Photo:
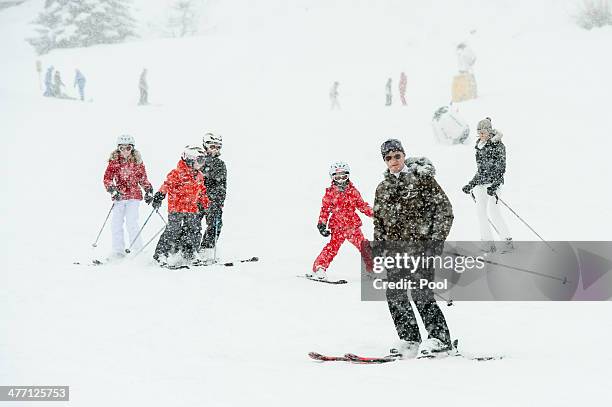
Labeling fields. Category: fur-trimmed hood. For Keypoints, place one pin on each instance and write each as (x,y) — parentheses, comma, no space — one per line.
(417,166)
(135,157)
(495,138)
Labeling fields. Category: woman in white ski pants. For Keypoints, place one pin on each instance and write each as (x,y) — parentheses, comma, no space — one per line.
(487,183)
(124,177)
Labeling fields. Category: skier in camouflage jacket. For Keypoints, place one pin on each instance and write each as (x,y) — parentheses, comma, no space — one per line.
(412,211)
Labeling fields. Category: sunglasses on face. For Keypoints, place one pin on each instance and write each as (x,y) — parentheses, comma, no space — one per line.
(393,157)
(125,147)
(213,146)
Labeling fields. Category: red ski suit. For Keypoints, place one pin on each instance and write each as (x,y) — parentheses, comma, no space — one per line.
(127,176)
(344,223)
(185,189)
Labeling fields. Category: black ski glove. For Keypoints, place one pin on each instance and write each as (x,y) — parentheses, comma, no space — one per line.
(323,230)
(115,194)
(491,190)
(148,198)
(467,189)
(157,199)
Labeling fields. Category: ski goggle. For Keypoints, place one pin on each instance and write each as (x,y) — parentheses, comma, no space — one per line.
(214,146)
(125,147)
(340,176)
(397,156)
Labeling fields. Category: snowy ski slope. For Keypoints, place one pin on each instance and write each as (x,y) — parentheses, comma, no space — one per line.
(133,334)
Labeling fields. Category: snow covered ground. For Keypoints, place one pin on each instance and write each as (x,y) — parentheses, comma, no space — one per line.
(132,334)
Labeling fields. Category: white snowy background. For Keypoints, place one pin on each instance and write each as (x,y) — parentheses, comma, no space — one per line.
(259,73)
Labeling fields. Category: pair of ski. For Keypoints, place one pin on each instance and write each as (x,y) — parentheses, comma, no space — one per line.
(96,262)
(205,264)
(350,357)
(312,278)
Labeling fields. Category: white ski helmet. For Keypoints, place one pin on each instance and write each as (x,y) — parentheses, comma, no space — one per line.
(339,167)
(126,139)
(192,153)
(212,138)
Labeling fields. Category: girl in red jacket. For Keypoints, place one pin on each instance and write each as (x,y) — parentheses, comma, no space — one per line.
(125,175)
(340,200)
(186,199)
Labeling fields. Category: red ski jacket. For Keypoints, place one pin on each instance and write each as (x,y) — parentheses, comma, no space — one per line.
(185,189)
(342,205)
(127,176)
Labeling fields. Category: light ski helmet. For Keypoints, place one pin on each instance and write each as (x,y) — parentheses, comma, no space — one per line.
(339,167)
(126,139)
(192,154)
(212,138)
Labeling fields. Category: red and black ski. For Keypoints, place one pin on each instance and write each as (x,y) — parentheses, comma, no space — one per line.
(311,278)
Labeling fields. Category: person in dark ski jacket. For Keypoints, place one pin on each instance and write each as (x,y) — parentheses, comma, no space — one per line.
(215,178)
(486,184)
(412,211)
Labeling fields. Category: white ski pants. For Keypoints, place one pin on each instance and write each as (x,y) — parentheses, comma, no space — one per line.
(487,208)
(125,211)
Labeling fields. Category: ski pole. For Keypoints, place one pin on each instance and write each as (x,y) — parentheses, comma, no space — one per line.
(216,237)
(149,242)
(140,231)
(525,223)
(95,244)
(162,218)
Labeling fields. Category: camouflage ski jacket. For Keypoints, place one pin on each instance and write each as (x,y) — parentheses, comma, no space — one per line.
(412,207)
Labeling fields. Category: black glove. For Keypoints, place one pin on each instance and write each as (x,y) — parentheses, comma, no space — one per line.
(115,194)
(434,248)
(491,190)
(157,199)
(323,230)
(467,189)
(148,198)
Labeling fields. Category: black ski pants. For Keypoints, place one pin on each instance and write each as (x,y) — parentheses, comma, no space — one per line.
(403,313)
(182,234)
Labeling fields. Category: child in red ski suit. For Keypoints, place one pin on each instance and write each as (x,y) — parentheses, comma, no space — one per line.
(341,200)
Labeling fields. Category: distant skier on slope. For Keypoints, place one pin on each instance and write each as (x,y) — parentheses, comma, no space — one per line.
(402,88)
(49,82)
(125,175)
(57,85)
(215,180)
(341,200)
(412,211)
(389,92)
(486,185)
(187,198)
(143,87)
(79,81)
(333,96)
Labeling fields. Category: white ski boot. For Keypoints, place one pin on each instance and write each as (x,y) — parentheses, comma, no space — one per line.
(405,349)
(508,246)
(320,273)
(434,348)
(206,256)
